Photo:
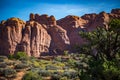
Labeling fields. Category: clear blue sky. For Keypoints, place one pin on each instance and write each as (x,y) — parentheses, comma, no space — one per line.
(58,8)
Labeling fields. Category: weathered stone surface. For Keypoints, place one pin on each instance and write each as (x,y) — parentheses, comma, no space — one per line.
(60,40)
(44,34)
(35,39)
(116,11)
(45,19)
(88,22)
(73,24)
(31,38)
(32,17)
(11,35)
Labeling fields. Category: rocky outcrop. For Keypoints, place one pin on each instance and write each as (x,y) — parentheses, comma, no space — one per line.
(35,39)
(73,24)
(45,19)
(60,40)
(11,35)
(44,34)
(88,22)
(115,11)
(96,20)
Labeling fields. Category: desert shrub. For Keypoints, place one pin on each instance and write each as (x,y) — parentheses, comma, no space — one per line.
(111,70)
(111,75)
(65,68)
(20,55)
(3,65)
(71,62)
(8,72)
(3,58)
(35,69)
(21,66)
(35,64)
(63,78)
(1,71)
(31,76)
(73,75)
(3,78)
(24,58)
(10,56)
(81,65)
(58,59)
(55,77)
(44,73)
(9,63)
(69,74)
(101,70)
(66,53)
(50,67)
(25,62)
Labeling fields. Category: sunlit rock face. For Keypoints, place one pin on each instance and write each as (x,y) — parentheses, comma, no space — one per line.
(44,35)
(88,22)
(10,35)
(35,39)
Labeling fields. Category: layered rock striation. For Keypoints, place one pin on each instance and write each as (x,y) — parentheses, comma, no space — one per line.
(44,35)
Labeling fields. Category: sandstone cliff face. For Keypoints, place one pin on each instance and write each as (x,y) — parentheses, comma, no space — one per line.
(96,20)
(35,39)
(73,24)
(60,40)
(88,22)
(44,34)
(11,35)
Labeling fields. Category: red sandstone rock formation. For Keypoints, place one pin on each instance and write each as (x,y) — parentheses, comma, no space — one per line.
(35,39)
(43,34)
(11,35)
(59,37)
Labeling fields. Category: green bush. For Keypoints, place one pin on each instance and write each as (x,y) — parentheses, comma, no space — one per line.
(101,70)
(35,69)
(44,73)
(3,78)
(50,67)
(66,53)
(55,77)
(31,76)
(20,55)
(11,56)
(63,78)
(58,59)
(71,62)
(111,75)
(3,65)
(8,72)
(9,63)
(21,66)
(69,74)
(1,71)
(3,58)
